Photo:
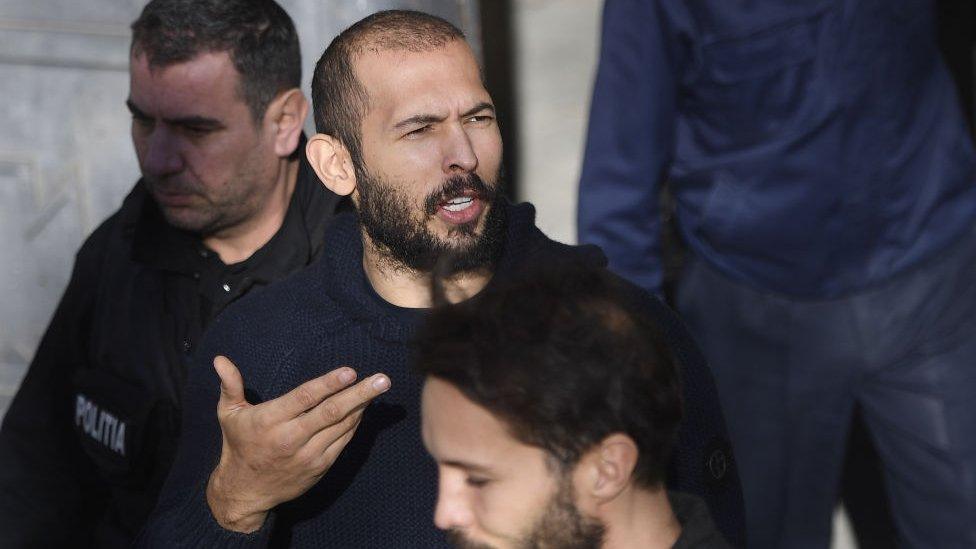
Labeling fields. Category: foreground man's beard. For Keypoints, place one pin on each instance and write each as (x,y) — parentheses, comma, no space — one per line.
(388,218)
(561,526)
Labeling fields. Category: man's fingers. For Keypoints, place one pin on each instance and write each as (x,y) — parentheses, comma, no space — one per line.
(333,410)
(328,444)
(231,384)
(308,395)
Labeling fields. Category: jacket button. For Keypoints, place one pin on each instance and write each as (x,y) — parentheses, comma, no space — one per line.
(226,287)
(718,464)
(187,346)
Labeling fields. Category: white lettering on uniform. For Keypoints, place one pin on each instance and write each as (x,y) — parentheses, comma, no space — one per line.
(100,425)
(90,414)
(79,409)
(119,444)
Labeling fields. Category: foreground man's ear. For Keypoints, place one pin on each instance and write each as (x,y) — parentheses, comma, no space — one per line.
(605,471)
(286,116)
(331,161)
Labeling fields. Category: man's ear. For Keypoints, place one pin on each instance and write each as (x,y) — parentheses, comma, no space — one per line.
(285,117)
(332,163)
(606,470)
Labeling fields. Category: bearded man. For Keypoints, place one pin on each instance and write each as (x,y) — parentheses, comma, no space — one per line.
(407,129)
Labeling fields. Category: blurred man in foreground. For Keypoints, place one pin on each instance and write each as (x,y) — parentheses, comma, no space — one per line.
(227,203)
(551,404)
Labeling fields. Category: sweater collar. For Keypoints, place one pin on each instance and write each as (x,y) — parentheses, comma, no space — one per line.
(351,289)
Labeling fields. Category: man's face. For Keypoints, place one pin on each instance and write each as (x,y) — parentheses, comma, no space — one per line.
(204,160)
(432,155)
(494,491)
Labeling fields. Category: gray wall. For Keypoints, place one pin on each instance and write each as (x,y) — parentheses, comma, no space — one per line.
(66,160)
(555,65)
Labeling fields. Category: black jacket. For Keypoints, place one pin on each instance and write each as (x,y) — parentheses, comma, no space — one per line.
(381,490)
(697,529)
(91,434)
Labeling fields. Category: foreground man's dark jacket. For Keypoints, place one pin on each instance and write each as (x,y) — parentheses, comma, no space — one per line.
(381,491)
(90,436)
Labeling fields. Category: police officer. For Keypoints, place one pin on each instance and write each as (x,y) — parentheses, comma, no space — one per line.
(227,203)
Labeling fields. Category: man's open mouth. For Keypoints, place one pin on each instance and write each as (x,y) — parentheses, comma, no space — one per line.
(458,204)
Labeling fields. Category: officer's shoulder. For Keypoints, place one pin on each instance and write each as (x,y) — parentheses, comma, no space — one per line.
(115,230)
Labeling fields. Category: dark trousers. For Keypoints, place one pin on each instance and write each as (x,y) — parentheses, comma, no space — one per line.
(790,372)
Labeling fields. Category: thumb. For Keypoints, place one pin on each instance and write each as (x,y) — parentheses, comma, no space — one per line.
(231,384)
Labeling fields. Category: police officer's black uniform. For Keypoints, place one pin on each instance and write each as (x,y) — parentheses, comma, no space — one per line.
(90,436)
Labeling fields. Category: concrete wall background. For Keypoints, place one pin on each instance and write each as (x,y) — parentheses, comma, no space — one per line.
(66,161)
(65,156)
(557,47)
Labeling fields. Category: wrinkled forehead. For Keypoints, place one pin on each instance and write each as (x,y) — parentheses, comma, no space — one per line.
(387,50)
(398,81)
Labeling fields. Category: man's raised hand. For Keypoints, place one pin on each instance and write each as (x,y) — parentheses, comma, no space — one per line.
(274,451)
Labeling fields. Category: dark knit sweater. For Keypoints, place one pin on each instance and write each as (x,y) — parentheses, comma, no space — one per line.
(382,489)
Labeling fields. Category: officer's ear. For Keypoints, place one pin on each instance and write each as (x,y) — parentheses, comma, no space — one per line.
(332,163)
(285,117)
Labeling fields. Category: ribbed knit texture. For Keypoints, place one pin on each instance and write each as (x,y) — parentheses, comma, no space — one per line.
(382,489)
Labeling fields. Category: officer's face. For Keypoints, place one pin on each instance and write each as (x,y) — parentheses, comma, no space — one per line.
(495,491)
(432,153)
(205,161)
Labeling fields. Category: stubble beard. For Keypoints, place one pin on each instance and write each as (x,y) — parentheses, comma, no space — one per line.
(205,216)
(561,526)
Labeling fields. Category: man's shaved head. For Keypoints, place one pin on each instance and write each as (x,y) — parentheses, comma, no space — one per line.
(338,97)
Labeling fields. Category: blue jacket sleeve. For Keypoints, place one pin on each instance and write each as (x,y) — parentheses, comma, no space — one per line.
(629,140)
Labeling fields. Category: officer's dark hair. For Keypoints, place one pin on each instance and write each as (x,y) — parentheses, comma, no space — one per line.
(565,356)
(339,100)
(258,34)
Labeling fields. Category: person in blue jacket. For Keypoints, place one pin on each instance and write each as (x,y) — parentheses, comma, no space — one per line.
(825,187)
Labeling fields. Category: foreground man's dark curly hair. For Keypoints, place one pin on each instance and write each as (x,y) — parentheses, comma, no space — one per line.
(565,356)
